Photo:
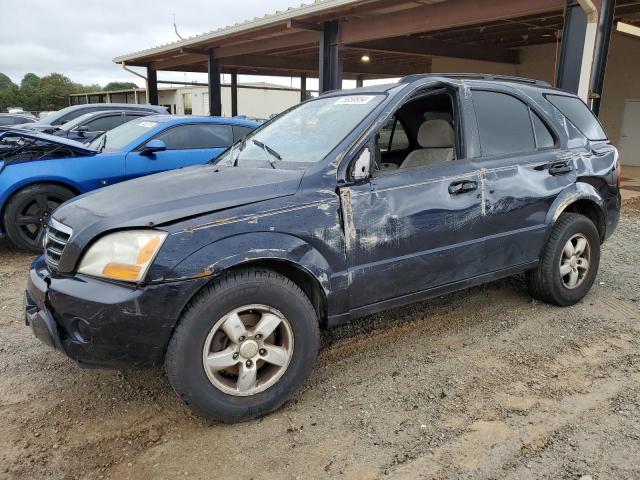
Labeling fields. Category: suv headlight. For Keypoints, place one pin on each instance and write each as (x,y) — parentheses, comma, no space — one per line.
(124,255)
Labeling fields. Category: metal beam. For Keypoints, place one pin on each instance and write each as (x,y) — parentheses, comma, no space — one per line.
(280,65)
(300,25)
(234,94)
(571,52)
(605,27)
(417,46)
(152,83)
(439,16)
(215,90)
(330,59)
(303,87)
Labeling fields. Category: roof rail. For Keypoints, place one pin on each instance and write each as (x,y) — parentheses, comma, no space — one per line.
(477,76)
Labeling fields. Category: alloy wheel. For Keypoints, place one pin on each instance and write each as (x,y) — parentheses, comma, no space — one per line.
(248,350)
(574,261)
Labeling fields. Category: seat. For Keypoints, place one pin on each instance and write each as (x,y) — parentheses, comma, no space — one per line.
(436,139)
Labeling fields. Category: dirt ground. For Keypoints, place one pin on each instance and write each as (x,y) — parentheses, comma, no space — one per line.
(484,383)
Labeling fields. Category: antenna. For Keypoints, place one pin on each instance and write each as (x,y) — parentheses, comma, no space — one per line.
(175,27)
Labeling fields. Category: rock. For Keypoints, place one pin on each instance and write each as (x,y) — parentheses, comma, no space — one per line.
(154,435)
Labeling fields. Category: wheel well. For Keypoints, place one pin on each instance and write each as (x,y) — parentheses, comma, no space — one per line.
(301,277)
(590,210)
(44,182)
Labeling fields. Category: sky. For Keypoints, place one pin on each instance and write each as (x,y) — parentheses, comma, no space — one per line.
(80,39)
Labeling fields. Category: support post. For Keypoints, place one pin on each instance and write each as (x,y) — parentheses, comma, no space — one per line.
(152,89)
(303,87)
(575,23)
(234,94)
(215,89)
(330,66)
(605,27)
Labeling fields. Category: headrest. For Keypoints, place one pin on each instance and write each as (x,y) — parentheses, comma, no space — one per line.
(436,134)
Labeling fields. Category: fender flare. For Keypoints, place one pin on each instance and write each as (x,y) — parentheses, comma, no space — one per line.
(570,195)
(238,250)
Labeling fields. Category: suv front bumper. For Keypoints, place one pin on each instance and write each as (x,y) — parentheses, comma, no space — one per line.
(104,324)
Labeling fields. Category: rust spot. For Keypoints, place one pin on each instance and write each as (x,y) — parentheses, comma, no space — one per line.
(208,271)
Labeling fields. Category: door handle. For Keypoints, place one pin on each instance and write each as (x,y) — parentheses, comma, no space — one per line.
(560,168)
(464,186)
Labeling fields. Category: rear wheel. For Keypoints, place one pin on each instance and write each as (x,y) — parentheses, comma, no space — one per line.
(244,345)
(569,262)
(28,211)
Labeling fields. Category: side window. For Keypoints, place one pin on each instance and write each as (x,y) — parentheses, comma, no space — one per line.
(197,136)
(240,132)
(544,138)
(503,122)
(579,114)
(103,124)
(393,136)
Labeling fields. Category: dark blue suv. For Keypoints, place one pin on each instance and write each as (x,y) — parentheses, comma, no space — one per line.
(346,205)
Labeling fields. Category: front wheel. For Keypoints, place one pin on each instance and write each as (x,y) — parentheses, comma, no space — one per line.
(569,262)
(28,211)
(243,346)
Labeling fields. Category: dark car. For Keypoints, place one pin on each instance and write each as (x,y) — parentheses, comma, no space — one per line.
(227,272)
(11,119)
(89,125)
(54,120)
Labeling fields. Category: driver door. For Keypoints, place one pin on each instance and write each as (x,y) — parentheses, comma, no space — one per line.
(192,144)
(412,229)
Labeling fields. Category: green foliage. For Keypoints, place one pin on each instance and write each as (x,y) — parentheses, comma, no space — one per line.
(111,86)
(50,92)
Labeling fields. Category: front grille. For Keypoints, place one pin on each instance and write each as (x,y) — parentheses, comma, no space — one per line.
(56,239)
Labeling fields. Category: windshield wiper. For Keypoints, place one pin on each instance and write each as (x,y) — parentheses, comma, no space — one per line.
(103,143)
(268,149)
(241,145)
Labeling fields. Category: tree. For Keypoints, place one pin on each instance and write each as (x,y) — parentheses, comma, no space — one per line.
(55,89)
(29,96)
(8,92)
(119,86)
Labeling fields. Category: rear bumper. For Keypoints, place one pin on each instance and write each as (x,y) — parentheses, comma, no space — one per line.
(98,323)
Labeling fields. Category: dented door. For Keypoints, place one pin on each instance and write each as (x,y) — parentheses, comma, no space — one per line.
(412,229)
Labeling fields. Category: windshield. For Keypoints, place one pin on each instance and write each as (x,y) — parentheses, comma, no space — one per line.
(304,135)
(118,138)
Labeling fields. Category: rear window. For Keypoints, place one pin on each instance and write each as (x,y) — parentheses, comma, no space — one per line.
(579,114)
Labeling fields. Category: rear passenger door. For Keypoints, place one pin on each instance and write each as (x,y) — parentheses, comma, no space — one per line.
(187,145)
(522,170)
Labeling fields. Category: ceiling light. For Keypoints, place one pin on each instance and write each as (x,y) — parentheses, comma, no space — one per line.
(365,58)
(628,29)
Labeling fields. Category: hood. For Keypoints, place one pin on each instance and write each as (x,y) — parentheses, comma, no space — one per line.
(45,141)
(170,196)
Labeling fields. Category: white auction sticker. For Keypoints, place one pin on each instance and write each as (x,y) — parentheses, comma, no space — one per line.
(354,99)
(147,124)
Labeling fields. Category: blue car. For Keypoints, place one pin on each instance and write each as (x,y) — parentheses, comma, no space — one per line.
(38,171)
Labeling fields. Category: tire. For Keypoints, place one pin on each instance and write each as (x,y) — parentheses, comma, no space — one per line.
(29,209)
(202,389)
(546,282)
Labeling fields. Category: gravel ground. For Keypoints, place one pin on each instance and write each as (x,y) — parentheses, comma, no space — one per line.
(484,383)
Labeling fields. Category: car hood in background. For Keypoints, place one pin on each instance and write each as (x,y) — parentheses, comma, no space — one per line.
(168,197)
(46,138)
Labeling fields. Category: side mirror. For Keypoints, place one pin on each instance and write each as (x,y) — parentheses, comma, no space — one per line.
(82,129)
(362,165)
(152,147)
